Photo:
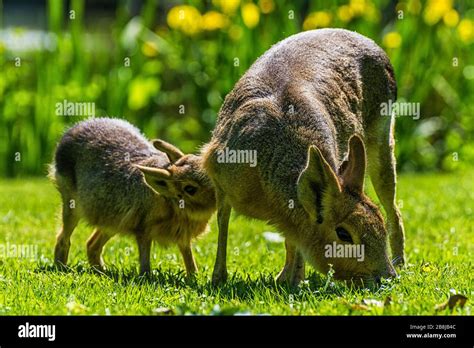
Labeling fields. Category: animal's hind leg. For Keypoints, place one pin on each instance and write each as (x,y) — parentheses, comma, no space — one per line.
(383,173)
(95,245)
(188,257)
(63,239)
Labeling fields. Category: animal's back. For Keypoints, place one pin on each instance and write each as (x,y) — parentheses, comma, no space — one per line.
(95,157)
(336,66)
(314,88)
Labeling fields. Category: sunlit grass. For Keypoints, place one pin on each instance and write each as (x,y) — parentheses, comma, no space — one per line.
(440,240)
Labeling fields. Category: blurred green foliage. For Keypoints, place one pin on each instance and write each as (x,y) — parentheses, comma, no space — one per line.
(168,70)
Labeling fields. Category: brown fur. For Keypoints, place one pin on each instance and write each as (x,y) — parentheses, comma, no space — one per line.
(100,169)
(298,106)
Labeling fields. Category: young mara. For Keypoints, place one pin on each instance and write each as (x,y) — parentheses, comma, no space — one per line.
(112,177)
(310,110)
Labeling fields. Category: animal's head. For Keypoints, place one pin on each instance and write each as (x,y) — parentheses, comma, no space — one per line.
(345,228)
(183,180)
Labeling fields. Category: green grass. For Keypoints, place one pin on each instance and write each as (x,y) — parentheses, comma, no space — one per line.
(438,218)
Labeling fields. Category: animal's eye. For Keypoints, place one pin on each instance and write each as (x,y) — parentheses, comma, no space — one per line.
(190,190)
(343,235)
(161,183)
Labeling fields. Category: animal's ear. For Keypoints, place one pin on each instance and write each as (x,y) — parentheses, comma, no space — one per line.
(318,177)
(158,179)
(171,151)
(353,169)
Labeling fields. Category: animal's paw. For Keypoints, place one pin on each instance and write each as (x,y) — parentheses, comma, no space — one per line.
(284,276)
(61,267)
(291,278)
(219,277)
(99,268)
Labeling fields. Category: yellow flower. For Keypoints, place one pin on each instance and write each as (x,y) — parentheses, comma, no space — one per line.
(414,6)
(358,7)
(185,18)
(319,19)
(266,6)
(451,18)
(466,30)
(250,15)
(392,40)
(371,13)
(227,6)
(435,10)
(74,307)
(235,32)
(344,13)
(150,49)
(140,92)
(214,20)
(427,268)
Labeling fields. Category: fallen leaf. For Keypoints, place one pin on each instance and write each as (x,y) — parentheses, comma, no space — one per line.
(359,307)
(452,302)
(374,303)
(163,311)
(273,237)
(76,308)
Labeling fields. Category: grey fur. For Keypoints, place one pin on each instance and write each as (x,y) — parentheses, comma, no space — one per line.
(95,170)
(317,88)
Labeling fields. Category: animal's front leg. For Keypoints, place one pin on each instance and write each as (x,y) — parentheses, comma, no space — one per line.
(144,249)
(293,271)
(223,214)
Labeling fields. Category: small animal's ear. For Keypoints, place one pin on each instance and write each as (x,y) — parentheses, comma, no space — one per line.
(171,151)
(318,177)
(353,170)
(158,179)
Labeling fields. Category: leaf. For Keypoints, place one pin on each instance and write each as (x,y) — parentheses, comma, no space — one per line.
(373,303)
(359,307)
(75,308)
(163,311)
(452,302)
(273,237)
(369,304)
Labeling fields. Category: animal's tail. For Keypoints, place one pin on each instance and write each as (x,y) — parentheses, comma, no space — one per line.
(64,164)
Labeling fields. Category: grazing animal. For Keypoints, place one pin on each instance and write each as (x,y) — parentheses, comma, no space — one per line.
(110,175)
(310,109)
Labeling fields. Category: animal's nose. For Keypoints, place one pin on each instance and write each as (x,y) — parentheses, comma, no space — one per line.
(389,273)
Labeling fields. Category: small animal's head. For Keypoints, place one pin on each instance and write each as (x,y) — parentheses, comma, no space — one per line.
(345,229)
(183,180)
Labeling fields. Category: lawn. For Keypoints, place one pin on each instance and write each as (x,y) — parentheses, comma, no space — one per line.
(438,213)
